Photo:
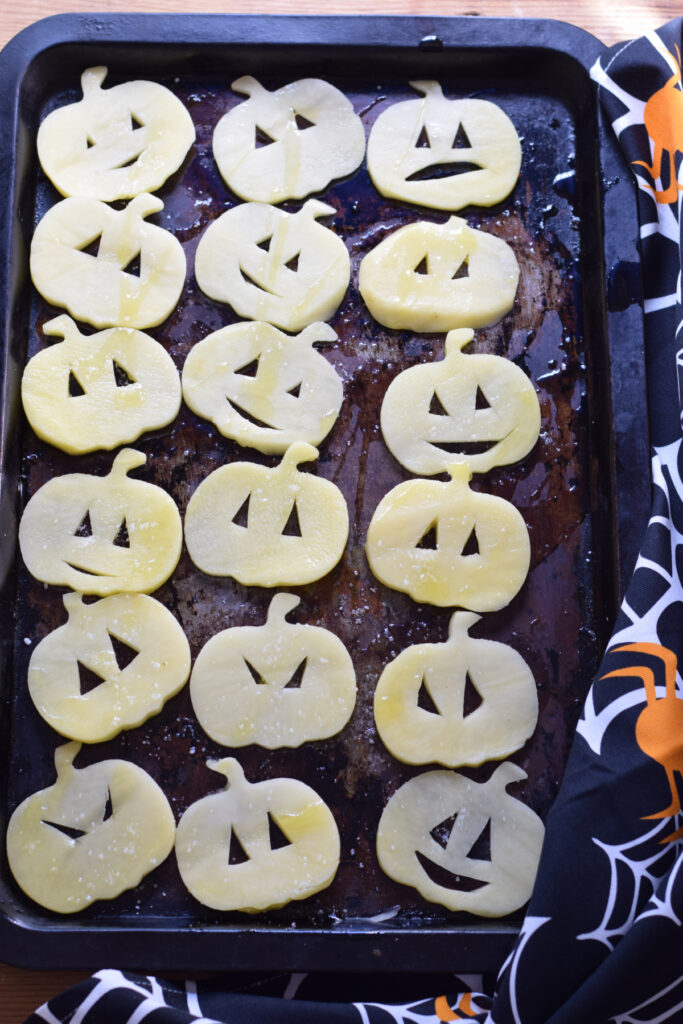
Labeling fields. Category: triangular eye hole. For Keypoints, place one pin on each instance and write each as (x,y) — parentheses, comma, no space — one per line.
(249,369)
(472,699)
(422,267)
(84,528)
(75,387)
(236,852)
(297,676)
(89,143)
(265,243)
(302,122)
(66,830)
(255,674)
(436,407)
(425,700)
(480,400)
(88,679)
(462,271)
(122,377)
(262,138)
(296,390)
(122,540)
(108,808)
(123,653)
(429,540)
(135,123)
(292,527)
(91,248)
(471,544)
(441,833)
(277,837)
(481,847)
(241,516)
(133,267)
(461,140)
(293,264)
(423,139)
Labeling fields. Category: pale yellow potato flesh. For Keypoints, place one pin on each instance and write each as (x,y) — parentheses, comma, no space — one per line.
(508,424)
(297,160)
(411,138)
(432,799)
(128,695)
(235,710)
(66,872)
(102,535)
(260,553)
(412,279)
(115,143)
(295,394)
(501,724)
(267,878)
(97,289)
(243,256)
(104,415)
(483,581)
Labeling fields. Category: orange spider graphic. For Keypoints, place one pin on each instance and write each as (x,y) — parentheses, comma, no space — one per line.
(659,728)
(663,119)
(445,1013)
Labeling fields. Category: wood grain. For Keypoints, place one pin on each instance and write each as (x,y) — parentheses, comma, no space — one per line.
(21,991)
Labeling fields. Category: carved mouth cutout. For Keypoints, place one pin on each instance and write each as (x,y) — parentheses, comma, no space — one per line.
(465,447)
(432,172)
(256,284)
(255,422)
(447,879)
(89,572)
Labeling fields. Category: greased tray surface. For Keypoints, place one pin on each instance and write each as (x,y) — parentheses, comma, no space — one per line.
(569,489)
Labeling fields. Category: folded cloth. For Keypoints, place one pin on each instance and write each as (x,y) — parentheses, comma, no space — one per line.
(603,936)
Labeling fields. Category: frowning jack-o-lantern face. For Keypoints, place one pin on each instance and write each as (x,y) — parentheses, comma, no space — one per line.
(444,153)
(466,845)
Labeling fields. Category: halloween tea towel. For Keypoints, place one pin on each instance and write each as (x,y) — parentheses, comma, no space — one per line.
(602,940)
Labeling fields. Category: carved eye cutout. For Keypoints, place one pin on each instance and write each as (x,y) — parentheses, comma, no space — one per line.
(112,665)
(481,409)
(115,143)
(481,572)
(299,278)
(255,846)
(92,284)
(466,845)
(94,833)
(461,702)
(288,143)
(278,685)
(444,153)
(436,277)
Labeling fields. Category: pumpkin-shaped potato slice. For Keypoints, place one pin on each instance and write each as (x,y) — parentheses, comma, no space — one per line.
(108,268)
(98,391)
(256,846)
(278,685)
(288,143)
(115,143)
(94,833)
(466,845)
(462,702)
(444,153)
(102,535)
(110,667)
(445,544)
(276,266)
(479,409)
(436,277)
(267,527)
(262,388)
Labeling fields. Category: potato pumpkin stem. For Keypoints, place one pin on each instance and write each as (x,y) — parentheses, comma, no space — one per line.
(281,605)
(92,79)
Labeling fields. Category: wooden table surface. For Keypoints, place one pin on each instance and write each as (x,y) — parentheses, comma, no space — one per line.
(21,991)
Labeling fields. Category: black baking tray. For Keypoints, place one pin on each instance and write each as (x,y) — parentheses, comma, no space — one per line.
(576,328)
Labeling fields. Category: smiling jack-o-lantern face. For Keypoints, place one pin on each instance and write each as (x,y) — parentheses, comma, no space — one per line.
(467,845)
(256,846)
(263,388)
(445,544)
(110,667)
(98,391)
(288,143)
(115,143)
(267,527)
(109,268)
(444,153)
(436,277)
(462,702)
(102,535)
(276,266)
(94,833)
(278,685)
(481,409)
